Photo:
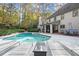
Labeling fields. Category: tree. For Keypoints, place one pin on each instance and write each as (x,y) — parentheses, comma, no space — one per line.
(30,14)
(9,15)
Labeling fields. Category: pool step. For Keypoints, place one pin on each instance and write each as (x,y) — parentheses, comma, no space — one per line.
(57,49)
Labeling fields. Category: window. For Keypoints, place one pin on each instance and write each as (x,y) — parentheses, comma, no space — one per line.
(62,26)
(62,16)
(75,13)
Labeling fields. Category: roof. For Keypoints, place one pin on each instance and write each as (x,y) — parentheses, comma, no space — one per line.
(64,9)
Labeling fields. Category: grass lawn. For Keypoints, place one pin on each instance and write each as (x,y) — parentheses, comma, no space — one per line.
(9,31)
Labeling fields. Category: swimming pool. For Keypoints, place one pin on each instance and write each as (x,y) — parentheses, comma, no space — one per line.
(28,37)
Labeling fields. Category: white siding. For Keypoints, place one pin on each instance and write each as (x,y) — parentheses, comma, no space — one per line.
(52,19)
(69,21)
(47,21)
(58,18)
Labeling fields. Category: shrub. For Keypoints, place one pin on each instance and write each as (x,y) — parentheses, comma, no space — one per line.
(10,31)
(33,30)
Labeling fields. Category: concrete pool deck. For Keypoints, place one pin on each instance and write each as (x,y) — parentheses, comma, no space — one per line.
(65,45)
(58,45)
(25,49)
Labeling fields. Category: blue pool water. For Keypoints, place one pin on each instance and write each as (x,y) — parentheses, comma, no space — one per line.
(28,37)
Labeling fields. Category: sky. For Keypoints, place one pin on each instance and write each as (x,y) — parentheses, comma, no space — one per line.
(50,7)
(17,5)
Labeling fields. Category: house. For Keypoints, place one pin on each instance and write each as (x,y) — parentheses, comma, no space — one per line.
(66,17)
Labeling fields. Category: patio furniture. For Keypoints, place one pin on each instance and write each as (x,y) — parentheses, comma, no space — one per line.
(71,31)
(40,49)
